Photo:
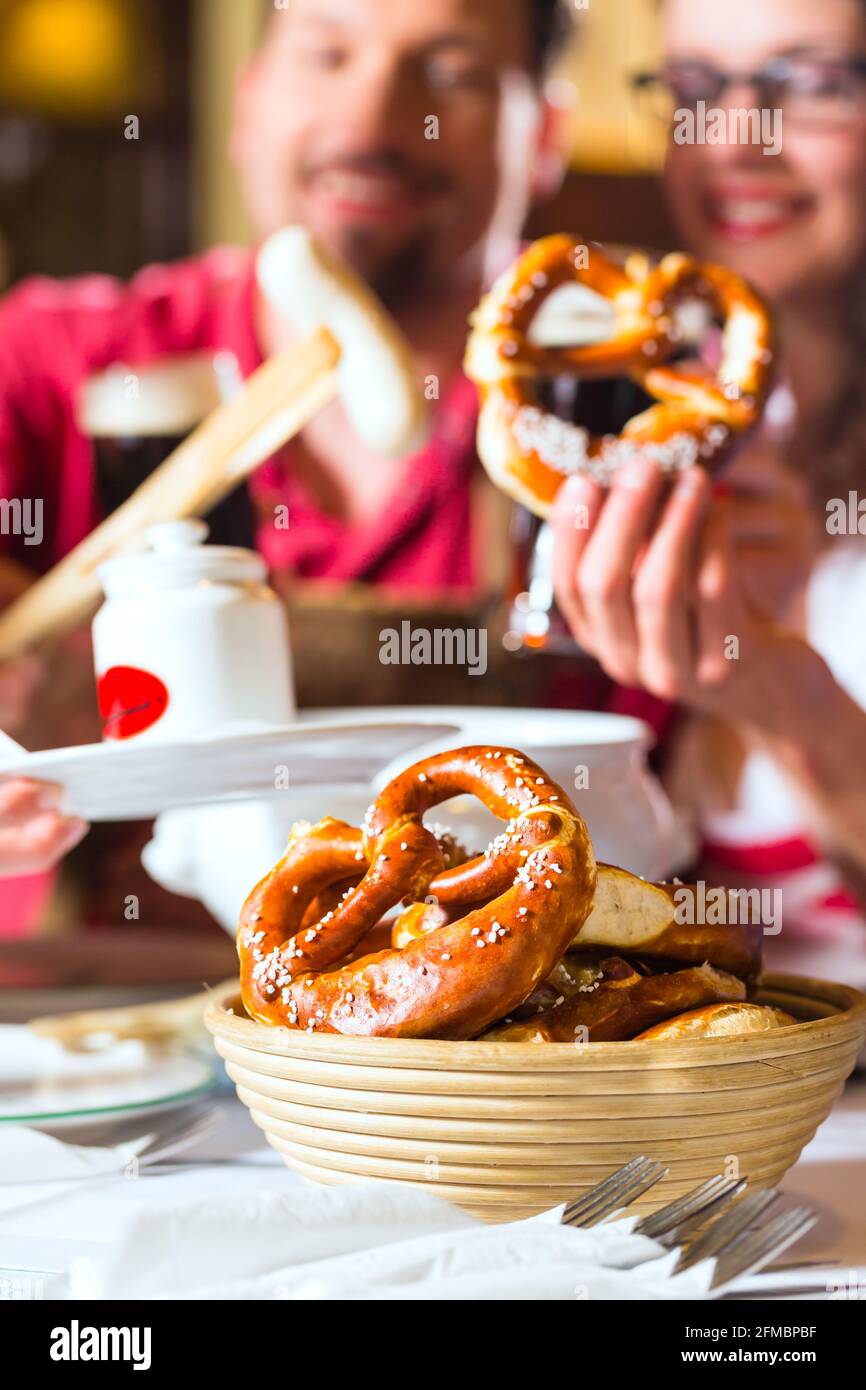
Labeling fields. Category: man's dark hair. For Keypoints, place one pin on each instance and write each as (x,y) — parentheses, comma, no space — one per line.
(552,24)
(550,21)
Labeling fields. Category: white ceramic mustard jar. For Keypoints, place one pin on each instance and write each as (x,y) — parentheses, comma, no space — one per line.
(189,640)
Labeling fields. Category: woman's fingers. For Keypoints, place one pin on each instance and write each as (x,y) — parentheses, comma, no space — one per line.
(39,843)
(664,590)
(598,537)
(21,798)
(34,833)
(605,569)
(575,513)
(655,596)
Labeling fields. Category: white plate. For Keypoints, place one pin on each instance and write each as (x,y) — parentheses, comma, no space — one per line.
(629,815)
(137,780)
(518,726)
(41,1084)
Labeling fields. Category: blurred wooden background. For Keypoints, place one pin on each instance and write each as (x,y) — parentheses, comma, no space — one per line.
(73,73)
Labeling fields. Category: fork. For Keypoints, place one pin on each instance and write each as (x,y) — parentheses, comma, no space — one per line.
(763,1245)
(615,1191)
(739,1246)
(144,1151)
(724,1232)
(674,1223)
(667,1225)
(154,1148)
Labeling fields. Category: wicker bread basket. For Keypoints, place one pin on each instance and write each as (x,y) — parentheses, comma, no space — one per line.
(505,1130)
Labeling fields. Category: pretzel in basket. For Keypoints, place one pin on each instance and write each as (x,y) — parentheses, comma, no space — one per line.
(700,413)
(629,916)
(620,1002)
(536,882)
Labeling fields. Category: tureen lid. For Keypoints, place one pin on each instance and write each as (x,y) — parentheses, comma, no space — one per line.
(175,558)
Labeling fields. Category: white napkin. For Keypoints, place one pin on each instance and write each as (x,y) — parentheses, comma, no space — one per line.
(369,1240)
(372,1240)
(28,1154)
(36,1169)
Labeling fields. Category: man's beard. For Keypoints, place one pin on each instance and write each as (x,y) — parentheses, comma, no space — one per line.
(397,269)
(398,276)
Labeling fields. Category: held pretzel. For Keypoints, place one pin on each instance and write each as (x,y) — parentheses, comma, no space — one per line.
(536,880)
(700,413)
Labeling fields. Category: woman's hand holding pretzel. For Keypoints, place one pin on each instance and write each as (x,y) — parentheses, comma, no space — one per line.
(675,584)
(678,590)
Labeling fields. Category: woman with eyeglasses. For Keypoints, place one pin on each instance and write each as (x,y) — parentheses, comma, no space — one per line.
(744,598)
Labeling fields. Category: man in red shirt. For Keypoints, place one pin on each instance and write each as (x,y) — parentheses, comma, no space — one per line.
(411,139)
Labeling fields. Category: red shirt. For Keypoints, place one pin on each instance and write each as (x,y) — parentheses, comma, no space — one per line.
(53,334)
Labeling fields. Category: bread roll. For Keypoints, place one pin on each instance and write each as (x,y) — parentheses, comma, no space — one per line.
(632,917)
(718,1021)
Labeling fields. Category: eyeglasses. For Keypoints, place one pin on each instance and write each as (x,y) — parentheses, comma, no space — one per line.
(824,90)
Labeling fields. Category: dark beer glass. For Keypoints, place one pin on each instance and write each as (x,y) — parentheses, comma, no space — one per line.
(534,623)
(136,416)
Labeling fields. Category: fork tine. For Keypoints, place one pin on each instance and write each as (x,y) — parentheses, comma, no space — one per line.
(737,1256)
(697,1218)
(180,1136)
(141,1144)
(761,1246)
(729,1228)
(662,1220)
(202,1121)
(621,1196)
(177,1124)
(602,1188)
(202,1124)
(635,1188)
(598,1201)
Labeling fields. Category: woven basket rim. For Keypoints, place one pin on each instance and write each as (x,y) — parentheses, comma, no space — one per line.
(844,1020)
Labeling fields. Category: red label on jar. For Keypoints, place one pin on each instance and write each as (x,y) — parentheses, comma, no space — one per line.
(130,701)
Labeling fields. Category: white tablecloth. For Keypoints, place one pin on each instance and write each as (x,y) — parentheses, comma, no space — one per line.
(40,1230)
